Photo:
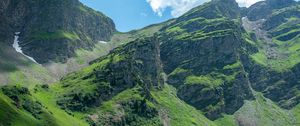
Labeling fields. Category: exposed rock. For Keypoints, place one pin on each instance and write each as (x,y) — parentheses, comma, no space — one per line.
(137,63)
(263,9)
(53,30)
(206,51)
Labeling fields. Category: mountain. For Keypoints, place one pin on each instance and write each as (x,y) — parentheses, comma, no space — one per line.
(55,23)
(263,9)
(53,30)
(218,64)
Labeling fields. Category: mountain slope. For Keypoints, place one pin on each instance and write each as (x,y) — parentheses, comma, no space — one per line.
(275,73)
(211,66)
(202,57)
(63,26)
(75,55)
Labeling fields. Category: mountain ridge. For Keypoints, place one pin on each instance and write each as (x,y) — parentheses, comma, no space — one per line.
(65,25)
(199,69)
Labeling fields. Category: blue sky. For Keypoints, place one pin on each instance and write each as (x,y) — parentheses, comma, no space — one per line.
(128,14)
(134,14)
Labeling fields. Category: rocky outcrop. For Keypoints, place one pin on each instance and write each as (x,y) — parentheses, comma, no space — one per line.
(135,64)
(263,9)
(132,113)
(53,30)
(202,59)
(280,87)
(206,54)
(214,9)
(280,22)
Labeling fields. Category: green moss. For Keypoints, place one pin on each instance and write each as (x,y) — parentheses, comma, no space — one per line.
(117,58)
(83,9)
(288,56)
(207,81)
(226,120)
(260,58)
(285,36)
(178,71)
(100,49)
(233,66)
(129,103)
(179,113)
(250,41)
(127,95)
(174,29)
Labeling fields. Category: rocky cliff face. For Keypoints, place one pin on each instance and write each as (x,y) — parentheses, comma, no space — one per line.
(263,9)
(218,62)
(209,59)
(277,75)
(201,54)
(136,64)
(53,30)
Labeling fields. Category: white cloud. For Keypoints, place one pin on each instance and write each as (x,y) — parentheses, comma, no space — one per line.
(179,7)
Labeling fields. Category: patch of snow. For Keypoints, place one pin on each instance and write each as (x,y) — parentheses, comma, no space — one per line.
(17,47)
(103,42)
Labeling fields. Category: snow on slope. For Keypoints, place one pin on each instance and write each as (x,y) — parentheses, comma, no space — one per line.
(17,47)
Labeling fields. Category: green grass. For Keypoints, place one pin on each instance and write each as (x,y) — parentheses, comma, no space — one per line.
(24,78)
(296,112)
(117,58)
(282,63)
(50,114)
(175,29)
(178,71)
(264,112)
(207,81)
(10,115)
(30,76)
(83,9)
(226,120)
(48,99)
(127,95)
(232,66)
(260,58)
(179,113)
(118,107)
(100,49)
(287,50)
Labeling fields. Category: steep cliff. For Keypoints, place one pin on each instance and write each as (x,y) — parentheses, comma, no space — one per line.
(53,30)
(216,65)
(202,56)
(263,9)
(274,69)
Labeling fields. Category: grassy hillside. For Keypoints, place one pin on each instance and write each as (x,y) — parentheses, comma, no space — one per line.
(201,69)
(20,106)
(168,107)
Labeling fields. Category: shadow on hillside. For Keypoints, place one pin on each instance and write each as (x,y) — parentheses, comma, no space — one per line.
(10,60)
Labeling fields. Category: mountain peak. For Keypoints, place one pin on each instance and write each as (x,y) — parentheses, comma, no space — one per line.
(227,1)
(214,9)
(261,9)
(280,3)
